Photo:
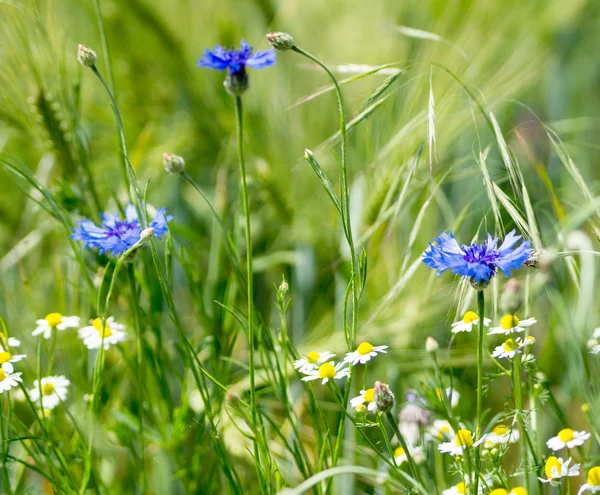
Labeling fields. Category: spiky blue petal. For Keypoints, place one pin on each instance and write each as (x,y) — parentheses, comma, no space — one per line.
(236,61)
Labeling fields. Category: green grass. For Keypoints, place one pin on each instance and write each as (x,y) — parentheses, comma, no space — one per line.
(472,116)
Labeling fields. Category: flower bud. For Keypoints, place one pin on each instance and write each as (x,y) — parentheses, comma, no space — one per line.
(147,233)
(585,408)
(236,83)
(431,345)
(361,409)
(86,56)
(384,398)
(173,164)
(280,41)
(510,300)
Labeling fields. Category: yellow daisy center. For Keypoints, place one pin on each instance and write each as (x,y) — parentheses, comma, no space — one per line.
(4,357)
(53,319)
(499,491)
(593,477)
(460,488)
(365,348)
(398,452)
(2,375)
(470,317)
(501,430)
(369,395)
(48,388)
(97,324)
(518,490)
(327,370)
(552,462)
(566,435)
(509,321)
(510,345)
(313,357)
(463,438)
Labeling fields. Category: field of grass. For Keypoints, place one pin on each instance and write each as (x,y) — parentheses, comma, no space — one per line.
(468,116)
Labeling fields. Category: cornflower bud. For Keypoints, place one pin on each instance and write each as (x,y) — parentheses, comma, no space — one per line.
(86,56)
(384,398)
(431,345)
(280,41)
(173,164)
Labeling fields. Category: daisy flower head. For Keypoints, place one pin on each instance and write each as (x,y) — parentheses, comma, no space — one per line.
(453,396)
(555,469)
(441,429)
(511,324)
(518,490)
(117,234)
(593,481)
(92,335)
(54,390)
(567,438)
(364,352)
(366,397)
(8,377)
(312,360)
(54,320)
(458,489)
(325,372)
(593,343)
(462,440)
(509,349)
(469,320)
(8,342)
(416,453)
(477,262)
(501,435)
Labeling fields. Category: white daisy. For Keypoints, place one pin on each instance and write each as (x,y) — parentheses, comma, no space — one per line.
(501,435)
(8,378)
(55,320)
(8,342)
(312,360)
(469,320)
(508,350)
(593,481)
(511,324)
(593,343)
(462,440)
(326,372)
(453,396)
(458,489)
(557,468)
(54,390)
(441,429)
(365,397)
(92,334)
(567,438)
(7,357)
(416,453)
(364,353)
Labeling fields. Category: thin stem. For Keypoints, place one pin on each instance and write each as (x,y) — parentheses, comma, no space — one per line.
(519,406)
(481,316)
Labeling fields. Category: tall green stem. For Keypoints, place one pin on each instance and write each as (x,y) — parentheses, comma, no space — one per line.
(518,393)
(411,461)
(480,327)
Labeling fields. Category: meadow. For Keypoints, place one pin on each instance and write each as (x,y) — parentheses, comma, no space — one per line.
(282,247)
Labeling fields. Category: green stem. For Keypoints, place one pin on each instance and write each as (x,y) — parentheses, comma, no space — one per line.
(480,330)
(518,393)
(411,462)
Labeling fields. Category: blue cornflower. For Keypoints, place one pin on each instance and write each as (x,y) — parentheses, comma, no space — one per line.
(479,262)
(235,61)
(116,234)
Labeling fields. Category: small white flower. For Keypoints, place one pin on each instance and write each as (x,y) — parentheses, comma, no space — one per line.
(441,429)
(567,438)
(54,320)
(453,396)
(462,440)
(469,320)
(54,390)
(416,453)
(92,334)
(511,324)
(364,353)
(326,372)
(501,435)
(312,361)
(596,334)
(593,481)
(8,378)
(556,468)
(7,357)
(8,342)
(593,343)
(365,397)
(458,489)
(508,350)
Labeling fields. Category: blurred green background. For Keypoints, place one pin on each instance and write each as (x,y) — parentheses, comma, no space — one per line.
(530,63)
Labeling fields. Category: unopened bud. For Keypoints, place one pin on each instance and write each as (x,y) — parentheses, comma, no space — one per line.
(283,288)
(86,56)
(585,408)
(361,409)
(431,345)
(510,300)
(173,164)
(147,233)
(384,398)
(236,83)
(280,41)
